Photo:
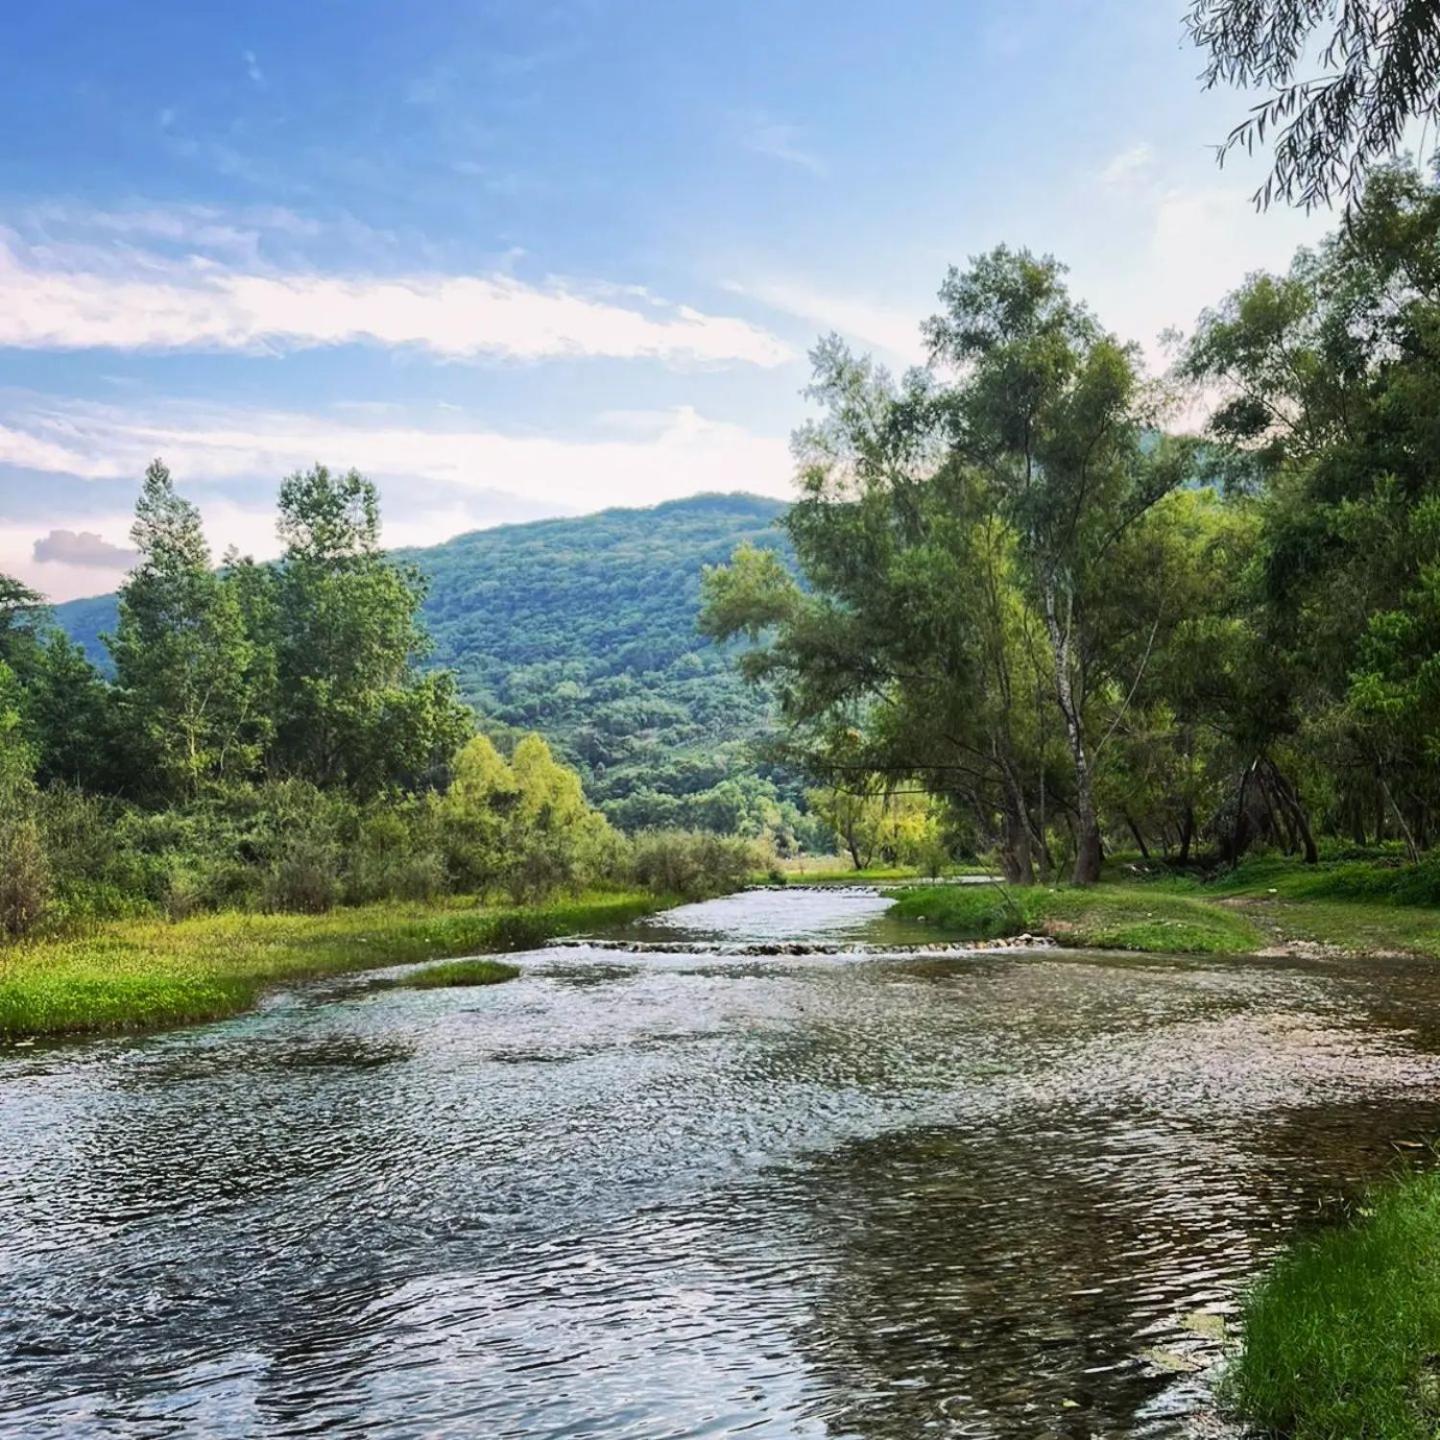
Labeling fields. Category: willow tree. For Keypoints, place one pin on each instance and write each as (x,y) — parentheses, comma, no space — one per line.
(910,657)
(1054,414)
(1345,80)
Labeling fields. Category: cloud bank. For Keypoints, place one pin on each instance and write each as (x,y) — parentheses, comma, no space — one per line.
(75,299)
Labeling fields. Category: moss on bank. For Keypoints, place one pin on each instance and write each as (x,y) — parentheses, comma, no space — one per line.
(1110,917)
(1342,1338)
(148,974)
(455,973)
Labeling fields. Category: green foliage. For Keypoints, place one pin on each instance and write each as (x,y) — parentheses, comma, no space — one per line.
(1376,70)
(351,706)
(1341,1337)
(181,656)
(461,973)
(693,866)
(585,630)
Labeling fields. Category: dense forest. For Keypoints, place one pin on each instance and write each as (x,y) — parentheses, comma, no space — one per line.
(585,631)
(1033,600)
(268,738)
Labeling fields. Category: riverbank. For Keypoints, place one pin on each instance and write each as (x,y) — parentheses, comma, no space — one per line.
(1343,906)
(1342,1338)
(137,975)
(1106,917)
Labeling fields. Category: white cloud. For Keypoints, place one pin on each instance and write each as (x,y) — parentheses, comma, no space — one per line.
(252,67)
(1202,242)
(884,327)
(67,300)
(1129,165)
(434,482)
(636,457)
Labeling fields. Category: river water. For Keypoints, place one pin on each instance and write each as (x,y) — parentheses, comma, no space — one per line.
(656,1194)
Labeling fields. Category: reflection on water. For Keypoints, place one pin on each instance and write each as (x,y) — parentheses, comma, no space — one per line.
(660,1195)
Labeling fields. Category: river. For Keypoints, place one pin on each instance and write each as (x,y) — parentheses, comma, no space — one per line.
(692,1191)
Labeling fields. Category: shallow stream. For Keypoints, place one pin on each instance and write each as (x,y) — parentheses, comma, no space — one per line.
(660,1194)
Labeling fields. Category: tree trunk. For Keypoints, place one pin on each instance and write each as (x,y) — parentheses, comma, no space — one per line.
(1139,838)
(1187,833)
(1015,854)
(1087,840)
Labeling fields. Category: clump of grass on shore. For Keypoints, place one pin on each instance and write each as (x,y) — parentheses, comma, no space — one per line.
(455,973)
(1108,917)
(1342,1339)
(150,974)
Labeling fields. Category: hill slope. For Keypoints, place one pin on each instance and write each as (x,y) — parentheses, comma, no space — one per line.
(584,629)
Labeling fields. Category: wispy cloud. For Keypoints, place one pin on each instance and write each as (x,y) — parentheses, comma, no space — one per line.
(252,67)
(763,134)
(1129,165)
(869,322)
(72,300)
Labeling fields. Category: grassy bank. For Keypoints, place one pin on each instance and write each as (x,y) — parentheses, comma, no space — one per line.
(1368,906)
(1111,917)
(148,974)
(1342,1339)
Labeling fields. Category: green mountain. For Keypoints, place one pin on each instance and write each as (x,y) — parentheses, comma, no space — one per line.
(585,630)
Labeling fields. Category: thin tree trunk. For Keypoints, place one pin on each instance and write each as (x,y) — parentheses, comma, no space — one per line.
(1087,840)
(1187,832)
(1139,838)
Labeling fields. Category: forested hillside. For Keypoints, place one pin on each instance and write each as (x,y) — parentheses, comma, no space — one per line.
(585,630)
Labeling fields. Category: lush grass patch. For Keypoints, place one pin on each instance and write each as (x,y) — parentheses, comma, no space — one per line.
(1110,917)
(1342,1339)
(1362,905)
(455,973)
(148,974)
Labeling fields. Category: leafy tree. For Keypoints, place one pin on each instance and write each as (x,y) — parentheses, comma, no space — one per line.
(1379,69)
(70,717)
(21,609)
(352,705)
(182,657)
(24,871)
(1330,387)
(1052,411)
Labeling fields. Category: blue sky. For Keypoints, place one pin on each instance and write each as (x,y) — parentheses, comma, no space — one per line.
(520,259)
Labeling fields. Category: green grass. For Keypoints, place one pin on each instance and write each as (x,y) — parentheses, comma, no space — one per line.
(1342,1338)
(455,973)
(150,974)
(1371,905)
(1110,917)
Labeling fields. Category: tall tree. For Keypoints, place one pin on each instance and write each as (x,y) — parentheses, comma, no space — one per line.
(182,657)
(1052,411)
(352,705)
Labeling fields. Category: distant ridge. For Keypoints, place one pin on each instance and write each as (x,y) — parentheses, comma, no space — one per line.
(584,628)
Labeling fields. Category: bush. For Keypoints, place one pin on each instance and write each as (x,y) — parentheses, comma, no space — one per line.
(24,875)
(692,864)
(306,878)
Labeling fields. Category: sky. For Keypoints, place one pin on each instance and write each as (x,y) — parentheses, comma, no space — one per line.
(520,258)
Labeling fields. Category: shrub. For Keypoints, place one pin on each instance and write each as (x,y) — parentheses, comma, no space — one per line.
(24,875)
(305,879)
(692,864)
